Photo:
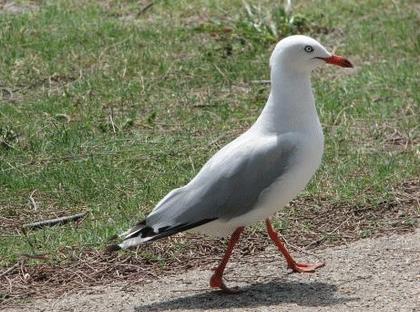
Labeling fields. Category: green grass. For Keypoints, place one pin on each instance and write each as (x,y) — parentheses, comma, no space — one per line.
(177,83)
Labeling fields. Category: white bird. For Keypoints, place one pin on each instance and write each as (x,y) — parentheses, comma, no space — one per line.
(258,173)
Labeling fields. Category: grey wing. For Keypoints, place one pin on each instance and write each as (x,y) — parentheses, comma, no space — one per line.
(228,186)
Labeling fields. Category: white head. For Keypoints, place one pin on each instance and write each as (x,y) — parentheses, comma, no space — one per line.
(303,54)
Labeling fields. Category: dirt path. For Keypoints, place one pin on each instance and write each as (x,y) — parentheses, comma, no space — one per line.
(369,275)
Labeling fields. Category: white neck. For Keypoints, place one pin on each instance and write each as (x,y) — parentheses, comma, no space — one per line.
(291,104)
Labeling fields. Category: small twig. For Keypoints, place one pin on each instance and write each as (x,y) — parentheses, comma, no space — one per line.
(32,201)
(190,289)
(111,120)
(10,269)
(220,72)
(327,234)
(52,222)
(192,163)
(297,248)
(36,256)
(204,105)
(145,8)
(215,141)
(8,145)
(261,81)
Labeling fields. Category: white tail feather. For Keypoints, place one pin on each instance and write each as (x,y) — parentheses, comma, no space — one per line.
(133,242)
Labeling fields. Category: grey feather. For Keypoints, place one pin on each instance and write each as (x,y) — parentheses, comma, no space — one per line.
(229,184)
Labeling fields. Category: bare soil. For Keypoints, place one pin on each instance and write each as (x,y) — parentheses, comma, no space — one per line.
(379,274)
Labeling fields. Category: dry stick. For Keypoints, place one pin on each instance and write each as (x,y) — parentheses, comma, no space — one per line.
(261,81)
(221,73)
(220,137)
(189,289)
(297,248)
(111,119)
(10,269)
(146,7)
(192,163)
(32,201)
(35,256)
(52,222)
(327,234)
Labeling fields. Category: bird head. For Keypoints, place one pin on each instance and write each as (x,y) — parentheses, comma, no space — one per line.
(303,53)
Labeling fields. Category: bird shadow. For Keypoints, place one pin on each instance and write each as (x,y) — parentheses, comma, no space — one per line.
(272,293)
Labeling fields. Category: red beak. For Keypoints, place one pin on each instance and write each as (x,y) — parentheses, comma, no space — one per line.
(338,60)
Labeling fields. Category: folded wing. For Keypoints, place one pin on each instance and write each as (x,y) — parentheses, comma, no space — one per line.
(228,186)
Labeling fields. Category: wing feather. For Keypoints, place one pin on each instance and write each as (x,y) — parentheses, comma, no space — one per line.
(229,184)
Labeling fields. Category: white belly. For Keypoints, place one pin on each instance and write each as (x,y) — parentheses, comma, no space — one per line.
(275,197)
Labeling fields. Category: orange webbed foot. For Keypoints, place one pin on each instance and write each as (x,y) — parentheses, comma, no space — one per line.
(217,282)
(305,267)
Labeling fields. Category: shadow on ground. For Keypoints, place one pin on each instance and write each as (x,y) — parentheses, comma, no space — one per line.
(263,294)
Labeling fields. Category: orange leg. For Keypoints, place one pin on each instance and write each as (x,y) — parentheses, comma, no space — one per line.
(291,263)
(216,281)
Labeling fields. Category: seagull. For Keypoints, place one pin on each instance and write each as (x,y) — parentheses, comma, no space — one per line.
(258,173)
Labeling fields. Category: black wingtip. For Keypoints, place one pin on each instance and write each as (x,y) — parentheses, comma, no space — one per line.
(112,248)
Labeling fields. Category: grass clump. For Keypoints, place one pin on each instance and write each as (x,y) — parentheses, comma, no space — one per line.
(262,24)
(258,24)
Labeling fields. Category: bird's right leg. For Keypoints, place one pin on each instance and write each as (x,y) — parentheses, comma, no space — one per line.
(291,263)
(216,281)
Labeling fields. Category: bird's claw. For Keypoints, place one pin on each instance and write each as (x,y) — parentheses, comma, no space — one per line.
(231,291)
(305,267)
(217,282)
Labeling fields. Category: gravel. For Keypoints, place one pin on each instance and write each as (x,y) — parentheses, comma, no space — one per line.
(380,274)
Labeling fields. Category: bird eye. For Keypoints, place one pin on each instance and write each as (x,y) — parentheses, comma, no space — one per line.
(309,49)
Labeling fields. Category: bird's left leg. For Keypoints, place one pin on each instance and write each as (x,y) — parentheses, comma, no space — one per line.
(216,281)
(291,263)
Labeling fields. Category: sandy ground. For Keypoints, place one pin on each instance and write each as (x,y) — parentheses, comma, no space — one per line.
(369,275)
